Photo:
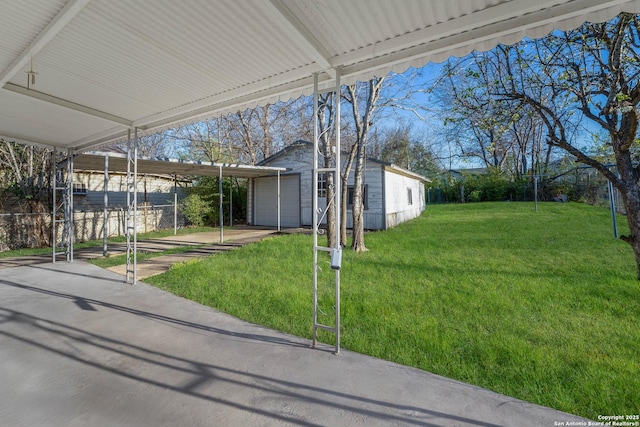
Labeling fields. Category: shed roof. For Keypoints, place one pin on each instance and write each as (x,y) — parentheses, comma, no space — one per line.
(300,144)
(107,66)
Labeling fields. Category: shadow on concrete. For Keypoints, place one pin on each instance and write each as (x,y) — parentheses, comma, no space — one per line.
(90,304)
(195,378)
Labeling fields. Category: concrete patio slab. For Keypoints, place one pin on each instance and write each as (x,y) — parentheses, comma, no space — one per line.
(81,348)
(232,236)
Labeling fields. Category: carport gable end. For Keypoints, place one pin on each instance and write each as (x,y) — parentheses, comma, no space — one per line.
(392,194)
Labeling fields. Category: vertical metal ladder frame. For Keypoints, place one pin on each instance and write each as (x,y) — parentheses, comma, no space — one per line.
(62,180)
(318,219)
(132,209)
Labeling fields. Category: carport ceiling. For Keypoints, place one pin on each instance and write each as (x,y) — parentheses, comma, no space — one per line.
(106,66)
(118,163)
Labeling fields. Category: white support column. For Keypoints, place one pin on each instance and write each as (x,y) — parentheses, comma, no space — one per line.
(175,205)
(279,201)
(54,213)
(230,202)
(128,225)
(105,225)
(336,251)
(69,219)
(132,208)
(220,210)
(135,207)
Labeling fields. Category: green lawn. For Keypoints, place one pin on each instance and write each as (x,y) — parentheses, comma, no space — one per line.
(541,306)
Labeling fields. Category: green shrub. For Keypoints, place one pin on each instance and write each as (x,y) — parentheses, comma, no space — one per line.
(196,210)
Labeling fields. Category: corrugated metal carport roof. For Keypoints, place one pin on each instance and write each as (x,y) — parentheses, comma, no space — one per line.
(118,163)
(106,66)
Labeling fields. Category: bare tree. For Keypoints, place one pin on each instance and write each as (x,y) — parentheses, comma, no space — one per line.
(588,75)
(25,173)
(364,100)
(200,141)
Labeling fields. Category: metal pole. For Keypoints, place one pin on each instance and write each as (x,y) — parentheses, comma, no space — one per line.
(230,202)
(535,192)
(221,212)
(135,206)
(175,205)
(278,201)
(105,225)
(338,207)
(336,250)
(54,243)
(314,208)
(612,205)
(70,219)
(128,220)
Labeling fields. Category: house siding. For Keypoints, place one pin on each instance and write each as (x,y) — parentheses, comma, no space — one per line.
(152,190)
(155,204)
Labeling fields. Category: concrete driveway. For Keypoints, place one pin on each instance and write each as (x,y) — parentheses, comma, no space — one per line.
(81,348)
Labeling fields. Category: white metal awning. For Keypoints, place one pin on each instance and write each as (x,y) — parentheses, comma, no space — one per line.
(118,163)
(106,66)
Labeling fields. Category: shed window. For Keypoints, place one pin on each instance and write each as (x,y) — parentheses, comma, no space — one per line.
(365,197)
(322,185)
(409,196)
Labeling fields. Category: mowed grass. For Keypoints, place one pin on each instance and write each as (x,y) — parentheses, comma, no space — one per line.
(543,306)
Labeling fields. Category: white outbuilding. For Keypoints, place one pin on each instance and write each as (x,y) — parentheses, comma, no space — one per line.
(392,195)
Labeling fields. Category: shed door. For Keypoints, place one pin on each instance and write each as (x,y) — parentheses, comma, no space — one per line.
(266,201)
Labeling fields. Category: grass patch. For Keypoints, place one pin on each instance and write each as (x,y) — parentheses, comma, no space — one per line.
(541,306)
(115,239)
(112,261)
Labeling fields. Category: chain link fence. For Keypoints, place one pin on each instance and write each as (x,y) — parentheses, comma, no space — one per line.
(582,184)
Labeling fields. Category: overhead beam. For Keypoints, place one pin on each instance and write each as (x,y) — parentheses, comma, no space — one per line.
(297,31)
(20,139)
(66,104)
(68,12)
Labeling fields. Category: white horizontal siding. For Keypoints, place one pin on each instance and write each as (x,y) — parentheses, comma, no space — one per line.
(153,190)
(386,191)
(398,207)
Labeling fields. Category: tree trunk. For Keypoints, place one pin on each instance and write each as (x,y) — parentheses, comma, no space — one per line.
(630,191)
(357,243)
(344,188)
(632,204)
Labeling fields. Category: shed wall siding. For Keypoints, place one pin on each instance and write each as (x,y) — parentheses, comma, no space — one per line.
(301,161)
(374,214)
(398,209)
(383,210)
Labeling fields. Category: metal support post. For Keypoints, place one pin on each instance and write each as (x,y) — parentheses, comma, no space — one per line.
(105,225)
(221,196)
(535,192)
(62,183)
(336,251)
(54,213)
(132,208)
(175,205)
(279,201)
(69,210)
